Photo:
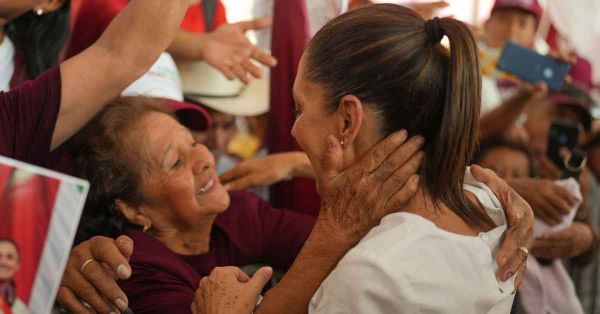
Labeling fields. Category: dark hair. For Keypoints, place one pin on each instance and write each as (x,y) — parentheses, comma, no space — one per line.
(491,143)
(383,54)
(101,156)
(40,38)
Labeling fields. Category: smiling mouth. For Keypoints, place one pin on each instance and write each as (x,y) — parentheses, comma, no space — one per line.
(207,186)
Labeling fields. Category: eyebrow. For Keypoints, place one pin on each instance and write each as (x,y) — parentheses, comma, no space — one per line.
(162,163)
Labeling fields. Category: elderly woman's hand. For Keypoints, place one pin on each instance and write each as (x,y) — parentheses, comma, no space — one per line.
(91,274)
(228,290)
(382,182)
(518,241)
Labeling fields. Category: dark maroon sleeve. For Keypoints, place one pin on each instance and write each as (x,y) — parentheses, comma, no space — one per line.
(284,233)
(158,293)
(28,116)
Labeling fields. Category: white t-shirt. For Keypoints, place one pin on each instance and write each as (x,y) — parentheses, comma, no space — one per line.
(7,63)
(408,265)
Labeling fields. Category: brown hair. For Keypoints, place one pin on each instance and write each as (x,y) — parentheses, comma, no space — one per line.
(101,156)
(383,54)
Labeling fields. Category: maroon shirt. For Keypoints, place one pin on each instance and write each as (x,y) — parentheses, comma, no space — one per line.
(28,116)
(250,231)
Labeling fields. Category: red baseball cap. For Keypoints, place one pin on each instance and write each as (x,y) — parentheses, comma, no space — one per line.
(581,74)
(189,115)
(572,95)
(531,6)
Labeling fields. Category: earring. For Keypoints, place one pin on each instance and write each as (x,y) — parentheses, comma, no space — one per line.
(146,227)
(39,12)
(342,142)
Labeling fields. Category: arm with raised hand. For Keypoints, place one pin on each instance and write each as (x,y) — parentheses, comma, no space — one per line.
(125,51)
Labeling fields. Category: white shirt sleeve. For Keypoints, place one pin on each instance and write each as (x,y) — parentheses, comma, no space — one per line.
(361,284)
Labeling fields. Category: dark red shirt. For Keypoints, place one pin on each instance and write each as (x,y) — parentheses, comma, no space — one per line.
(94,16)
(28,116)
(249,232)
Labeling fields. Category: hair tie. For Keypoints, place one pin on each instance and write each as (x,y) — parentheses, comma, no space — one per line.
(434,30)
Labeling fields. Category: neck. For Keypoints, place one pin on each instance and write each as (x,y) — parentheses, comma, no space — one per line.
(2,34)
(192,241)
(443,217)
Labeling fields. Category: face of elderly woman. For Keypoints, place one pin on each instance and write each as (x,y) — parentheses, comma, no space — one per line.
(9,260)
(179,178)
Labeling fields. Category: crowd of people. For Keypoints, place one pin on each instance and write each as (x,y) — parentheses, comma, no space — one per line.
(438,187)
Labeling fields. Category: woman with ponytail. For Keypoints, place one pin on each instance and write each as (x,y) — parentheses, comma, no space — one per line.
(379,70)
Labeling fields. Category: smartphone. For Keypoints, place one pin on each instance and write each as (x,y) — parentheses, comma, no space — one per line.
(531,66)
(562,134)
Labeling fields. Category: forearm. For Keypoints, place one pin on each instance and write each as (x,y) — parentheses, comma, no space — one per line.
(125,51)
(187,46)
(320,254)
(303,167)
(503,117)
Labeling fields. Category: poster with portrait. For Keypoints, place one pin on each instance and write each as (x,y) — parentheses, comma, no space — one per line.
(39,214)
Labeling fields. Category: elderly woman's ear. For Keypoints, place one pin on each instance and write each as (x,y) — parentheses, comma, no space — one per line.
(350,117)
(133,214)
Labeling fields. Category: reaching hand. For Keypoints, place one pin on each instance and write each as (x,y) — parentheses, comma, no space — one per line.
(229,50)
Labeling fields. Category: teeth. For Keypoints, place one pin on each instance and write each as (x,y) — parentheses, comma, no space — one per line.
(206,187)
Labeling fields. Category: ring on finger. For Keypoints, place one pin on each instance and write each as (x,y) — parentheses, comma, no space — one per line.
(86,263)
(524,250)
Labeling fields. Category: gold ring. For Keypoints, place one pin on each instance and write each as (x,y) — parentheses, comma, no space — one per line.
(524,250)
(86,263)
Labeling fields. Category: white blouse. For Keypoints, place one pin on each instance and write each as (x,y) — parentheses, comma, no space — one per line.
(408,265)
(7,63)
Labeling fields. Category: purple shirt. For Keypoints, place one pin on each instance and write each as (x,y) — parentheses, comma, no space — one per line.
(28,116)
(250,231)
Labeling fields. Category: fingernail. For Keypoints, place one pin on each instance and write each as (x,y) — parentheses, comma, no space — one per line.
(227,187)
(113,313)
(420,140)
(121,304)
(402,135)
(519,216)
(514,291)
(123,271)
(269,270)
(415,179)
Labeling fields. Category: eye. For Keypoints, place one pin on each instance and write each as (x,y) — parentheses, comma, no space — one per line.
(176,164)
(296,112)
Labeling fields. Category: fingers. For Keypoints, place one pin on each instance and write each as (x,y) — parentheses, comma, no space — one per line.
(404,195)
(241,73)
(333,160)
(241,276)
(251,68)
(399,178)
(560,199)
(84,291)
(510,257)
(260,23)
(568,199)
(125,246)
(263,57)
(105,250)
(68,300)
(520,276)
(240,170)
(105,285)
(382,150)
(260,279)
(399,157)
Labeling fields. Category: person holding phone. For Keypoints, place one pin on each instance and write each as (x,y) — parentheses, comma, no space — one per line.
(503,96)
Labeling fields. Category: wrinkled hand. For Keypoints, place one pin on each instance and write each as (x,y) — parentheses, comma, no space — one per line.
(228,290)
(96,284)
(565,243)
(380,183)
(510,258)
(264,171)
(549,201)
(231,52)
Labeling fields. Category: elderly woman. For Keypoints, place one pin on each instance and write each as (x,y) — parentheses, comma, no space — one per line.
(151,181)
(369,73)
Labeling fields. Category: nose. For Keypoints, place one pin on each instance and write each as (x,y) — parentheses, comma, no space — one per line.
(202,159)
